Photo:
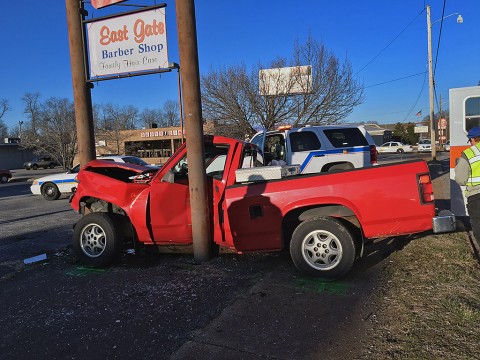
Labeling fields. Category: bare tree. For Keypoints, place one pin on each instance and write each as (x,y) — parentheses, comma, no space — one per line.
(112,120)
(55,132)
(3,130)
(171,113)
(32,109)
(231,96)
(149,117)
(4,107)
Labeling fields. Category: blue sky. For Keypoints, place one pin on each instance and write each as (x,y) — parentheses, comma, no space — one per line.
(383,40)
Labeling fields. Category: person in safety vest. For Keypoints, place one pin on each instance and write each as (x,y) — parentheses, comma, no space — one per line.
(467,172)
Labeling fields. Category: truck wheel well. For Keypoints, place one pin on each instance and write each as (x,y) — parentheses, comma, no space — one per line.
(337,166)
(95,205)
(342,213)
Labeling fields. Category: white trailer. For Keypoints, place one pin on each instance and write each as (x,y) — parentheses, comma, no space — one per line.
(464,106)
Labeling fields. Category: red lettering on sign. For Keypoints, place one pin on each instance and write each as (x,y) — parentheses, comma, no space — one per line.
(108,36)
(142,30)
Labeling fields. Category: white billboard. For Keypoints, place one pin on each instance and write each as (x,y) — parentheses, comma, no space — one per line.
(420,129)
(286,81)
(128,43)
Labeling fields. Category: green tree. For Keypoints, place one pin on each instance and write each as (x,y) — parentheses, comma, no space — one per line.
(406,133)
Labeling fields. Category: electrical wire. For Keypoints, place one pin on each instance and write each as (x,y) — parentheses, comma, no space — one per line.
(439,37)
(418,98)
(390,81)
(391,42)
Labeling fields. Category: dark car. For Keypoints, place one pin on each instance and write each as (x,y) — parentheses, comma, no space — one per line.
(43,161)
(5,175)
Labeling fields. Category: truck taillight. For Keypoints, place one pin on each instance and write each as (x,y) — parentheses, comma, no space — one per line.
(426,188)
(373,154)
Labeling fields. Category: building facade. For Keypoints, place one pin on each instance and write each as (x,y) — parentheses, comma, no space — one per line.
(153,145)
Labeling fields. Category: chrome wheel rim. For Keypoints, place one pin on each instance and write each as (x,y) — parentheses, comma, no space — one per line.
(322,250)
(49,191)
(93,240)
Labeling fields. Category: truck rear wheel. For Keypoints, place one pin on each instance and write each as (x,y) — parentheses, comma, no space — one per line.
(323,247)
(97,240)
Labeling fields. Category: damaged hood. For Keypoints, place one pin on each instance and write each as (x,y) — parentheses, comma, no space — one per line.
(120,171)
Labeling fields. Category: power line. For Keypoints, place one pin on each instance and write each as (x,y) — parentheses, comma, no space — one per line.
(391,42)
(418,97)
(390,81)
(439,37)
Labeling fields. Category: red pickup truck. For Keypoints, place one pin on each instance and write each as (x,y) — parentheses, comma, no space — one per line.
(323,219)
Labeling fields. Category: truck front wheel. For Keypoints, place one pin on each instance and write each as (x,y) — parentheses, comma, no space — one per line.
(323,247)
(97,240)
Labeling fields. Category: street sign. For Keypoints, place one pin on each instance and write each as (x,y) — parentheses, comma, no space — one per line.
(442,123)
(97,4)
(128,43)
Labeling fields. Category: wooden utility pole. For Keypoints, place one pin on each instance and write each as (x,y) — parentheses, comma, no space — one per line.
(430,85)
(187,46)
(81,91)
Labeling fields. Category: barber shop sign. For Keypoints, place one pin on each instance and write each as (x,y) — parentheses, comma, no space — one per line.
(128,43)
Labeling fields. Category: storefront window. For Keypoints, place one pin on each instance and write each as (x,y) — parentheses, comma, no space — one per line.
(149,149)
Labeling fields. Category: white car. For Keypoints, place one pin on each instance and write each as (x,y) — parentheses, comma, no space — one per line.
(446,146)
(52,186)
(394,147)
(424,146)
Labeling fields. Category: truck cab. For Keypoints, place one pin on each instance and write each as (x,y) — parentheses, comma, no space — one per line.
(318,148)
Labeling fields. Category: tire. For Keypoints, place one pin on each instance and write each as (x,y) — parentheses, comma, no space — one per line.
(52,166)
(323,247)
(400,151)
(50,191)
(340,167)
(3,179)
(35,167)
(97,240)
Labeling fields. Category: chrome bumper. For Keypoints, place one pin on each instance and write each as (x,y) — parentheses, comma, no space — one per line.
(444,222)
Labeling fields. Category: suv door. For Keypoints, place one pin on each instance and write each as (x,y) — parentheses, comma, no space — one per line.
(307,150)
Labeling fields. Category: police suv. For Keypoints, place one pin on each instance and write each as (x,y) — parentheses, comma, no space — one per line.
(316,149)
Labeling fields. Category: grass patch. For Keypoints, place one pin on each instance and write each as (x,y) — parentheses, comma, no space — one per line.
(430,303)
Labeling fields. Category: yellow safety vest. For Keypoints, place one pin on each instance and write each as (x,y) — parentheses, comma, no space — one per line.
(473,157)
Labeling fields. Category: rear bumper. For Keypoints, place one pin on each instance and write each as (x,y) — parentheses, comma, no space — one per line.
(444,222)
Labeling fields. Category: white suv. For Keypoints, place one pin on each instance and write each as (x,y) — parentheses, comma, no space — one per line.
(318,148)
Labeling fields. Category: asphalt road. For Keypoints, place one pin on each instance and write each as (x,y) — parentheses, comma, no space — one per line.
(167,306)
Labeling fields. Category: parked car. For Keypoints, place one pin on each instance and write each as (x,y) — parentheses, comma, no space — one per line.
(394,147)
(446,146)
(5,175)
(43,161)
(52,186)
(424,145)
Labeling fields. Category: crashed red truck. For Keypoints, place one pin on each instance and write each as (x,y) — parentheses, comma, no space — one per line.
(323,219)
